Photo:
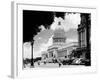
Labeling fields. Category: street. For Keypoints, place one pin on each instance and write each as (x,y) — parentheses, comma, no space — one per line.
(52,65)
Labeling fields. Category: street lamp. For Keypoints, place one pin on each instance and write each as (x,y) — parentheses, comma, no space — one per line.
(32,60)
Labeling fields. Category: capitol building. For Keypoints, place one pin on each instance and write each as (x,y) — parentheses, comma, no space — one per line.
(59,49)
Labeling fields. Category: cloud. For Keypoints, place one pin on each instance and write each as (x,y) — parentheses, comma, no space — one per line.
(42,28)
(70,20)
(44,46)
(54,25)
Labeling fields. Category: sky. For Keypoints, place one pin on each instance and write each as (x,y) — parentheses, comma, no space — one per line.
(43,37)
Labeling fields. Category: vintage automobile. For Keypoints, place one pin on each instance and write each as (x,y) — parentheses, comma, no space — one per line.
(78,61)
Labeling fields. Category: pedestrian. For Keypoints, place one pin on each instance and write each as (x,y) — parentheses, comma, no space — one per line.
(59,64)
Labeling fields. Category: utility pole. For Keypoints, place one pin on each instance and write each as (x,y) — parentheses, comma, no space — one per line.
(32,60)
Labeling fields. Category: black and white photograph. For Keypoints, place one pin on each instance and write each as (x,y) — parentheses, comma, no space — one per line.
(50,40)
(56,39)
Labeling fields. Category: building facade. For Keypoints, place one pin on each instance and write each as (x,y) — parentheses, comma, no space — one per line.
(84,36)
(60,49)
(59,41)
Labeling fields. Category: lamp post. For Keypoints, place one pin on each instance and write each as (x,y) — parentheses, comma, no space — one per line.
(32,61)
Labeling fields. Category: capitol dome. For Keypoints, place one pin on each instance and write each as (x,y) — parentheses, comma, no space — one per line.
(59,35)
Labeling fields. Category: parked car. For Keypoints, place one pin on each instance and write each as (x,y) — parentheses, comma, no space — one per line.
(78,61)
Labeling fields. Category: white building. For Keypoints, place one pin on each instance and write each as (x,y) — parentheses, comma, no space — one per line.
(60,49)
